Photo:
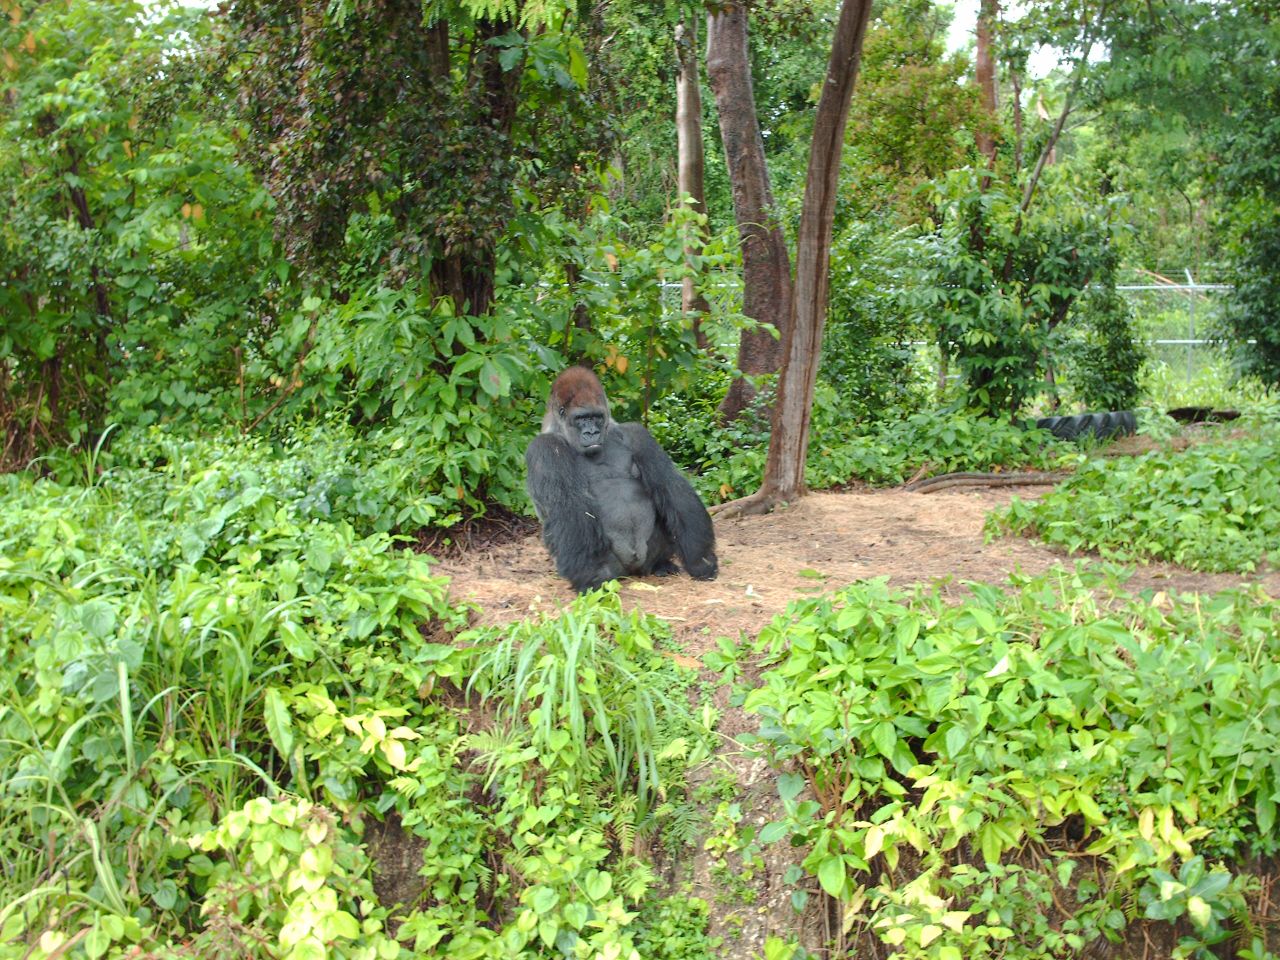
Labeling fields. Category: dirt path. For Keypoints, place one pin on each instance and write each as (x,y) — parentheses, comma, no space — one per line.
(825,542)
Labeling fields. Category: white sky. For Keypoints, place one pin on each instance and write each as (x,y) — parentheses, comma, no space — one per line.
(960,35)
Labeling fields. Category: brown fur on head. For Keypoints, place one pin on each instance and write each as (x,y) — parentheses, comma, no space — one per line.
(575,388)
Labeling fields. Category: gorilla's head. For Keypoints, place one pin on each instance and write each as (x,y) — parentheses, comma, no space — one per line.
(578,410)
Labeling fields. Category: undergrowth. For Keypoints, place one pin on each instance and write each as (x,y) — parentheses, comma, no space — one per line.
(1214,506)
(217,671)
(729,460)
(1029,771)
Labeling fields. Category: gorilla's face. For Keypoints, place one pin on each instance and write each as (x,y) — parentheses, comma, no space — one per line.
(585,428)
(579,411)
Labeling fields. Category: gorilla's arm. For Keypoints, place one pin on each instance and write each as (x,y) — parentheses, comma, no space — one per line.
(570,525)
(676,503)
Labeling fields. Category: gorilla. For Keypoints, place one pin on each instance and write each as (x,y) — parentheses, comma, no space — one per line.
(610,500)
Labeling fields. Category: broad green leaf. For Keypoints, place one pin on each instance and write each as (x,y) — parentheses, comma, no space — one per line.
(279,722)
(831,875)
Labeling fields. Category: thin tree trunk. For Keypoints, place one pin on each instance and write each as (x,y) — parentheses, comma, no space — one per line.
(766,269)
(789,441)
(1015,77)
(467,275)
(691,164)
(985,73)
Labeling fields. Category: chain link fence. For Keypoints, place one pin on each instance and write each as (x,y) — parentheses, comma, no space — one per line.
(1177,320)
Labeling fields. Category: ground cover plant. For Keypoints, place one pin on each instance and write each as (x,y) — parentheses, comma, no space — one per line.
(1212,506)
(881,453)
(282,290)
(219,675)
(1027,773)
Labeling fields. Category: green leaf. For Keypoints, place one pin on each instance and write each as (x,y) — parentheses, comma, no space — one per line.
(319,557)
(494,380)
(884,735)
(789,786)
(1089,809)
(831,875)
(98,618)
(96,943)
(773,832)
(543,899)
(597,885)
(279,723)
(1199,912)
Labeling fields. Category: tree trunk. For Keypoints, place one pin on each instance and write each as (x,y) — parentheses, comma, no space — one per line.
(467,275)
(985,71)
(691,163)
(766,269)
(789,441)
(1015,78)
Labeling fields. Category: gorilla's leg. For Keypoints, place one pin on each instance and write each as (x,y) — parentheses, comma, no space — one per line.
(658,560)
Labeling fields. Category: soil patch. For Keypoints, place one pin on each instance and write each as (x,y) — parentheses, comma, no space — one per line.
(823,543)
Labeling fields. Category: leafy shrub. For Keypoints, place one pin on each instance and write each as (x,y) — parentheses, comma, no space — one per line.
(1099,359)
(731,459)
(578,678)
(997,279)
(867,354)
(220,677)
(950,766)
(675,928)
(1214,506)
(143,651)
(319,903)
(935,442)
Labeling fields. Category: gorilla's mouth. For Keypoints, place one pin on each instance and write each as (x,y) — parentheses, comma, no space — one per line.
(592,448)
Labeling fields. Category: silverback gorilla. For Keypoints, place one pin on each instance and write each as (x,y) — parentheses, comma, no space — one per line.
(610,500)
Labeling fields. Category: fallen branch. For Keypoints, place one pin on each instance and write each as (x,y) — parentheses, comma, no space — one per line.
(943,481)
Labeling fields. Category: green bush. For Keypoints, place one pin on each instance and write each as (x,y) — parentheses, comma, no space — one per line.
(1214,506)
(220,672)
(731,459)
(953,769)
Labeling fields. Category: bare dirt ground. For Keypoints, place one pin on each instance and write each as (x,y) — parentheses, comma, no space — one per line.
(823,543)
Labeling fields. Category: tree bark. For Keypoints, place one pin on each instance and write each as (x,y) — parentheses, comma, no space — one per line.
(766,269)
(789,441)
(691,164)
(467,275)
(985,72)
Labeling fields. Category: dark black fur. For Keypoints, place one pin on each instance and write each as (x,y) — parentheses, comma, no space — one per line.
(611,502)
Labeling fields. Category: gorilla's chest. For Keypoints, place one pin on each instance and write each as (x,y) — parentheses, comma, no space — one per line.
(626,510)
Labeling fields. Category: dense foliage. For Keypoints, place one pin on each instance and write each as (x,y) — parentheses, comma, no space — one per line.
(224,679)
(1215,506)
(284,284)
(1026,772)
(882,453)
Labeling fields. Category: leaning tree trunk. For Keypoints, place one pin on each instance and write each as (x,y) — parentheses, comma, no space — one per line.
(766,270)
(789,441)
(691,163)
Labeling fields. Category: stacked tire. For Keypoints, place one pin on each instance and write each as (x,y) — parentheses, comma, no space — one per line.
(1103,426)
